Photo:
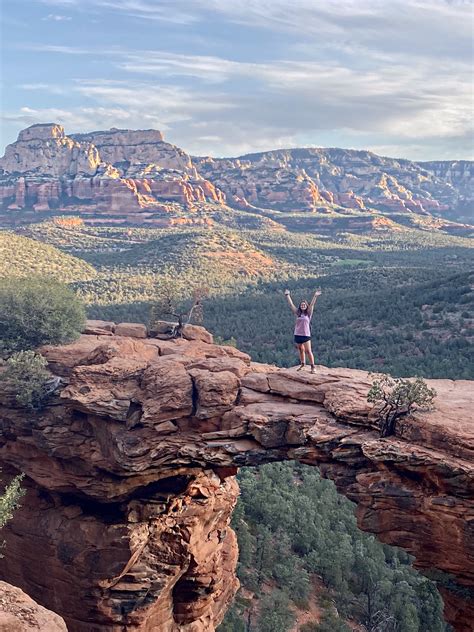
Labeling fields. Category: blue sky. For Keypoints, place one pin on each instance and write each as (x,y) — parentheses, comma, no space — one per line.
(225,77)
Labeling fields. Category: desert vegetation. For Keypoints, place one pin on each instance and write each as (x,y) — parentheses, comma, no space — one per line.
(26,376)
(394,398)
(9,501)
(36,311)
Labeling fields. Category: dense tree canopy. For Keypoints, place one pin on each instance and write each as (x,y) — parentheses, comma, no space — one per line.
(293,525)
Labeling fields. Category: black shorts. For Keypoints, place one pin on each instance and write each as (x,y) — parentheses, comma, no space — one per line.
(299,340)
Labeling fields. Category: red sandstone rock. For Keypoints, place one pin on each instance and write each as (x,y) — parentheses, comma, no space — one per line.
(99,327)
(19,613)
(123,172)
(132,330)
(195,332)
(130,477)
(56,170)
(163,329)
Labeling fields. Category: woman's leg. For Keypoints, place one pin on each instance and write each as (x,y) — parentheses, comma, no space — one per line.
(307,348)
(302,355)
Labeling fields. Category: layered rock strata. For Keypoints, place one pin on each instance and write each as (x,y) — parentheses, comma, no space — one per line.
(307,179)
(137,176)
(130,475)
(115,172)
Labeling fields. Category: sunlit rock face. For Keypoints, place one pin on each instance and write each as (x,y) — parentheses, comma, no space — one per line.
(130,476)
(135,175)
(45,150)
(114,173)
(310,179)
(138,148)
(19,613)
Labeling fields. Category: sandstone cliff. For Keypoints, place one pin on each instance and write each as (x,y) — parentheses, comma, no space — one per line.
(459,174)
(301,179)
(116,172)
(130,476)
(46,150)
(136,176)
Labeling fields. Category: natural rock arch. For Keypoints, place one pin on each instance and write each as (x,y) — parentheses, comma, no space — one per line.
(130,476)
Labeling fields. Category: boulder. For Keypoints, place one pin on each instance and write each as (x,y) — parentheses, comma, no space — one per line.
(19,613)
(163,329)
(99,327)
(132,330)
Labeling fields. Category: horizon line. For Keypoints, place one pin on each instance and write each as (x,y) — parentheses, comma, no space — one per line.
(233,157)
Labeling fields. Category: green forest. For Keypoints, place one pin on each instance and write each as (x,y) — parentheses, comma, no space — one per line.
(296,532)
(400,302)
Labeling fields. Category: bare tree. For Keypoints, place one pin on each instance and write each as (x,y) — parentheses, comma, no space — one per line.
(172,303)
(398,397)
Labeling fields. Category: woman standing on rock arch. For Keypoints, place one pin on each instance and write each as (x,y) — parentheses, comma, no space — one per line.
(302,334)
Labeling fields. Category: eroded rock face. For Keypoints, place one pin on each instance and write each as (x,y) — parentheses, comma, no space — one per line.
(19,613)
(119,172)
(136,176)
(131,477)
(46,150)
(316,177)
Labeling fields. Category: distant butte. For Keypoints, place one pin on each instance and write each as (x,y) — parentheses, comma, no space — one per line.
(135,176)
(130,476)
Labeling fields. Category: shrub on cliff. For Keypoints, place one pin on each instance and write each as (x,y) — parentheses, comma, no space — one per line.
(397,397)
(37,311)
(9,501)
(28,378)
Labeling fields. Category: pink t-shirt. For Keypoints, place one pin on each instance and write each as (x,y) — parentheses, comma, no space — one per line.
(302,326)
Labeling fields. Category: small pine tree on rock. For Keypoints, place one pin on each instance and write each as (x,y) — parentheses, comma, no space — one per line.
(398,397)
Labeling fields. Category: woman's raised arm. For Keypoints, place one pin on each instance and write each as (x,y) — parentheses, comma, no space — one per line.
(290,302)
(313,301)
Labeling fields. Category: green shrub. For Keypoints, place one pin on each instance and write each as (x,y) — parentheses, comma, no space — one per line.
(27,376)
(229,342)
(397,397)
(275,613)
(9,501)
(330,622)
(37,311)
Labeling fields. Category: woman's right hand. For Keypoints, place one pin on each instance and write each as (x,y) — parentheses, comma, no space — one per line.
(287,292)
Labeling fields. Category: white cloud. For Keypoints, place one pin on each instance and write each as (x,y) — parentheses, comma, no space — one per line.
(54,17)
(240,106)
(368,73)
(416,26)
(420,27)
(80,119)
(162,11)
(44,87)
(54,48)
